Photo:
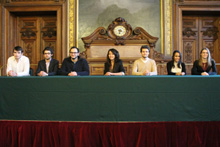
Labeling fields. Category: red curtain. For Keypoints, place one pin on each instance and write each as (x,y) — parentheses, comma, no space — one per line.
(118,134)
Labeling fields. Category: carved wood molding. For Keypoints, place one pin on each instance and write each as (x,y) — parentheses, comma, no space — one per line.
(28,33)
(188,53)
(211,32)
(119,21)
(28,50)
(101,35)
(49,32)
(140,34)
(210,46)
(188,32)
(29,0)
(158,56)
(121,36)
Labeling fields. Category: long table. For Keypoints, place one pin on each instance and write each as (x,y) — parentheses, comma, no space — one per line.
(110,99)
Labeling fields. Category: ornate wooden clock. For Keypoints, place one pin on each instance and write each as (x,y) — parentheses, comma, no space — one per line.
(119,29)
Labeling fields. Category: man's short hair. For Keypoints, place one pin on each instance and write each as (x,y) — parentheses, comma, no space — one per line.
(145,47)
(75,48)
(48,49)
(18,48)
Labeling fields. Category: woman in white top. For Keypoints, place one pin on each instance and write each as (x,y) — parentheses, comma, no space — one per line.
(176,67)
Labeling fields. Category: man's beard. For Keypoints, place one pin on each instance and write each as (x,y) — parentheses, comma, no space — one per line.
(48,58)
(74,58)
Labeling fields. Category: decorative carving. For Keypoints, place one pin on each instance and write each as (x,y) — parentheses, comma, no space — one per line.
(49,24)
(210,46)
(120,41)
(98,43)
(188,32)
(28,32)
(82,54)
(211,32)
(29,24)
(157,55)
(167,24)
(30,0)
(188,23)
(28,50)
(119,22)
(101,34)
(207,23)
(72,22)
(50,32)
(188,53)
(102,31)
(51,45)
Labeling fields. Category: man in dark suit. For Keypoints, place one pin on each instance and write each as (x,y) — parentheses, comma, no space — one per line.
(48,66)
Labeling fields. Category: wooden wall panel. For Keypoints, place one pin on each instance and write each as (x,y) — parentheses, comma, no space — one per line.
(198,32)
(29,33)
(49,34)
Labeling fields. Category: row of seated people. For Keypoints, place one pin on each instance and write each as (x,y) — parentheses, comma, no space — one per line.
(19,65)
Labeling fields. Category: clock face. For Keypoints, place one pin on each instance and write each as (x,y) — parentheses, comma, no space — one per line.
(119,31)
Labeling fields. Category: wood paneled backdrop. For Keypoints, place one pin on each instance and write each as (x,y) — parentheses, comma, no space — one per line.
(33,24)
(195,25)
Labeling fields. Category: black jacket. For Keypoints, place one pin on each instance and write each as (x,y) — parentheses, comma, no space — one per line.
(169,67)
(81,67)
(118,67)
(53,67)
(197,69)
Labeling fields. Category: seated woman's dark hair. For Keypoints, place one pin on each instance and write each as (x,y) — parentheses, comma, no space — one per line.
(115,52)
(178,64)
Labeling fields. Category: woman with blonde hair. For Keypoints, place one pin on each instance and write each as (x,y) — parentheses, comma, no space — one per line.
(205,65)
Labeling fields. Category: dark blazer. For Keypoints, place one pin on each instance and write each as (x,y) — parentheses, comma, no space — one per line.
(53,68)
(197,69)
(81,67)
(169,67)
(118,67)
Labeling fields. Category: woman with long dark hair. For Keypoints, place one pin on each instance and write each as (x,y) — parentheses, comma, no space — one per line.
(205,65)
(114,65)
(176,66)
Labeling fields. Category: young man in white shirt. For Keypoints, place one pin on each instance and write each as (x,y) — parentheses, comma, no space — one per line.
(144,66)
(18,65)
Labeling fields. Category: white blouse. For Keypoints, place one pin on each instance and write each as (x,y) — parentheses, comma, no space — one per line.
(176,69)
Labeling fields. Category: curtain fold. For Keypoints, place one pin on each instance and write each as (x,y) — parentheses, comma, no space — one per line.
(104,134)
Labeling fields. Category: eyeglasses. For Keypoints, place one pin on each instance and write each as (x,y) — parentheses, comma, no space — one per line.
(73,52)
(47,53)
